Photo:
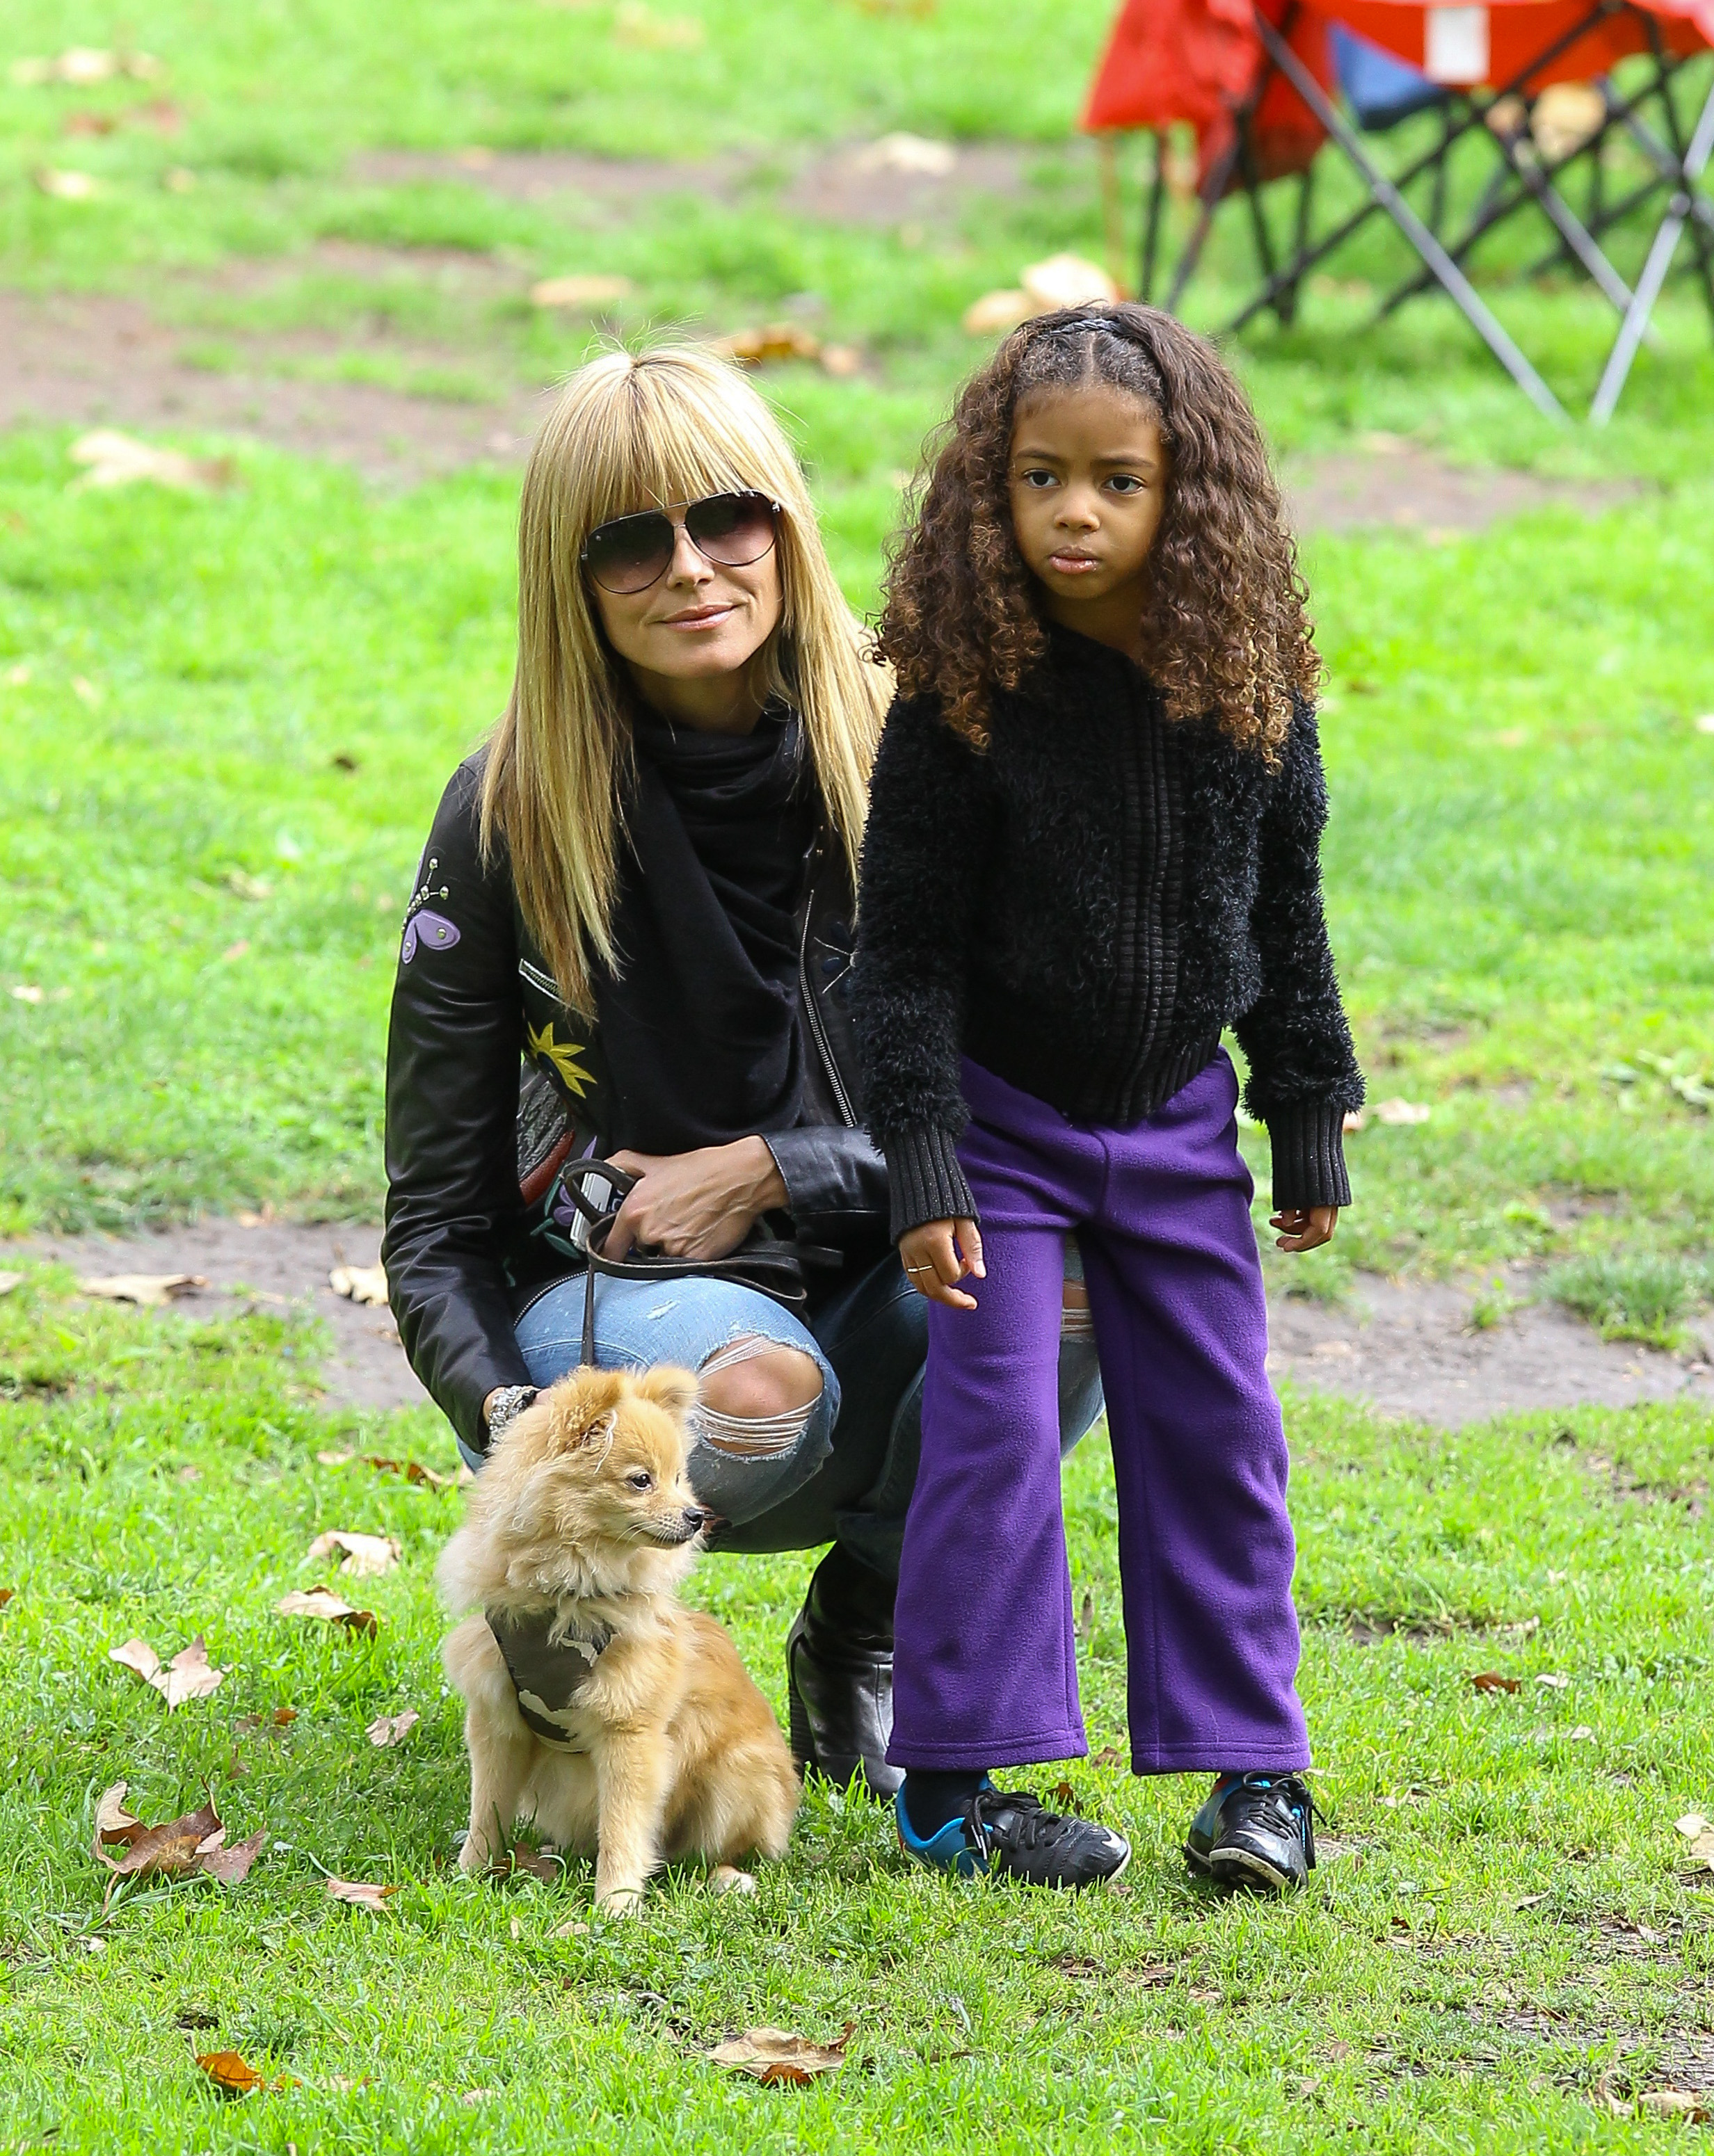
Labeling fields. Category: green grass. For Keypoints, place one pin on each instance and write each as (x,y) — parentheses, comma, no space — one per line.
(1465,1968)
(1517,864)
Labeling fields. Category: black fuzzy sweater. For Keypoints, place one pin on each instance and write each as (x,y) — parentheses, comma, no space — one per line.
(1082,909)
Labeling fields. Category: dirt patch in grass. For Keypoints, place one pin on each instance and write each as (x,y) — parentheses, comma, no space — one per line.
(1409,1347)
(1402,1344)
(91,360)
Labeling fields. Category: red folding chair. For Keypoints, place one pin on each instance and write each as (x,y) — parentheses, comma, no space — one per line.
(1254,80)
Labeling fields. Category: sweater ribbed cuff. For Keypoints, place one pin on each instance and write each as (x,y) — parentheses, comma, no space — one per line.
(924,1179)
(1309,1155)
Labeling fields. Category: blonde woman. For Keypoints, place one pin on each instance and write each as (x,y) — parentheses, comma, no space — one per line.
(642,886)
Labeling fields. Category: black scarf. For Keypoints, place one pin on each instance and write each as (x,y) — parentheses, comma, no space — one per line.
(700,1030)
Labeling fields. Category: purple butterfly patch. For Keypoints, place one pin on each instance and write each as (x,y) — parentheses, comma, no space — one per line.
(434,929)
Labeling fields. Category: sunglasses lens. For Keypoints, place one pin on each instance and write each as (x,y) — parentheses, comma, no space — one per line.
(732,529)
(631,553)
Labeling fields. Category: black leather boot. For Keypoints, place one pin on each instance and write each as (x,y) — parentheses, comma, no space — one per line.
(840,1675)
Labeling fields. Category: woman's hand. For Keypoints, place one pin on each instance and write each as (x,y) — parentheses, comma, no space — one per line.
(940,1253)
(699,1204)
(1305,1227)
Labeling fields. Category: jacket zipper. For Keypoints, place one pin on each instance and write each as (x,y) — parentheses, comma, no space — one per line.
(824,1047)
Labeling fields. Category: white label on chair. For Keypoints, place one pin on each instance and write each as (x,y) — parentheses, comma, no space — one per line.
(1455,45)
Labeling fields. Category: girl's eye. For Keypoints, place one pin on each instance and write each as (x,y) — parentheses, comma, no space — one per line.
(1037,478)
(1126,483)
(640,1480)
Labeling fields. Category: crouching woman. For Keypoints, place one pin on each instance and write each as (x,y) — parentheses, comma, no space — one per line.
(629,942)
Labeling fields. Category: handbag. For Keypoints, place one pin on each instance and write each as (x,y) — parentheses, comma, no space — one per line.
(776,1266)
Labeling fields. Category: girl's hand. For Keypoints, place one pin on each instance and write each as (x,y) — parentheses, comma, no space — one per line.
(940,1253)
(1307,1228)
(699,1204)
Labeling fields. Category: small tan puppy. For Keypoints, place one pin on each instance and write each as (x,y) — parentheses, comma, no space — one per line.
(621,1722)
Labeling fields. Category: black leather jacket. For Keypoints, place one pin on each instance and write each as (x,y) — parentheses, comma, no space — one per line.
(489,1075)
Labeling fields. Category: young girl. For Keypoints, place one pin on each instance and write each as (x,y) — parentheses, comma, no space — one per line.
(1092,845)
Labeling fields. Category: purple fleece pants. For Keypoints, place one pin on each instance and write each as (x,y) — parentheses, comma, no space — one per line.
(985,1671)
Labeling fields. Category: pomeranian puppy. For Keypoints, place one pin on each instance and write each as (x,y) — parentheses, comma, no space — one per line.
(622,1724)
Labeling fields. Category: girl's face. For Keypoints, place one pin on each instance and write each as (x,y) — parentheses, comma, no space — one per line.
(687,640)
(1088,476)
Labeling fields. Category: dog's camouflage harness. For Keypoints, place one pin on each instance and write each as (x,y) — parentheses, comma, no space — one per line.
(549,1678)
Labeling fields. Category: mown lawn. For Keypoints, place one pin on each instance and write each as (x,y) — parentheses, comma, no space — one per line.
(1502,1943)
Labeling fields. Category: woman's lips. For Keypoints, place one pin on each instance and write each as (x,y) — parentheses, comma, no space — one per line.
(1072,565)
(698,617)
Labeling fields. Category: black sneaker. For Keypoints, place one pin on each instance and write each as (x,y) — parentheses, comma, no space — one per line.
(1258,1832)
(1004,1830)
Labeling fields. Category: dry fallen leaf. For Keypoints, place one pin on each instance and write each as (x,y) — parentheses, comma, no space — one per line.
(360,1284)
(1491,1681)
(173,1850)
(87,64)
(1553,1683)
(115,1826)
(1398,1111)
(10,1281)
(365,1555)
(1066,280)
(1674,2103)
(189,1675)
(231,1865)
(1110,1755)
(281,1718)
(65,185)
(998,310)
(6,1595)
(591,291)
(359,1894)
(1355,1121)
(393,1728)
(908,153)
(336,1459)
(323,1602)
(780,2055)
(231,2076)
(111,458)
(148,1291)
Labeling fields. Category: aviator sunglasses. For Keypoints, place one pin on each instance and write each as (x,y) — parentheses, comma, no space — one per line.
(631,554)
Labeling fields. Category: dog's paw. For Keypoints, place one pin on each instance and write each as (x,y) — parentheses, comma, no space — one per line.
(620,1900)
(727,1879)
(473,1856)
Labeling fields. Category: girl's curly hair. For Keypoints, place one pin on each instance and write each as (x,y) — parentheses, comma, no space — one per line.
(1226,630)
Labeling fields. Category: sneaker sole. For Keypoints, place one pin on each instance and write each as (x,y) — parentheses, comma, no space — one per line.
(1242,1867)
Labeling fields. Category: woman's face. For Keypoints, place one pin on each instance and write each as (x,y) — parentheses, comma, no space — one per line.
(687,640)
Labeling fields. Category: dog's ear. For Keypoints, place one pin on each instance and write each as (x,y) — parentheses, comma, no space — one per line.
(583,1405)
(670,1388)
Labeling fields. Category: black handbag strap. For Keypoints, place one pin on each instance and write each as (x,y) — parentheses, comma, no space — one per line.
(772,1264)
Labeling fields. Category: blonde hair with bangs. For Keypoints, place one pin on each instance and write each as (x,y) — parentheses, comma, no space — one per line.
(629,431)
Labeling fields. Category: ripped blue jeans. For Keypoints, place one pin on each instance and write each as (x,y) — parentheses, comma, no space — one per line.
(845,1473)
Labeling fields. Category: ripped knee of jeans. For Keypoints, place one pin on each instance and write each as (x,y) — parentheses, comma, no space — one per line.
(1075,1322)
(755,1397)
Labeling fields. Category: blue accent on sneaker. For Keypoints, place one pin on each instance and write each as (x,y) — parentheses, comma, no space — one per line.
(947,1851)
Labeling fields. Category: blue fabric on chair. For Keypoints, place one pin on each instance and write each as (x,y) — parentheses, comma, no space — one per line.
(1380,90)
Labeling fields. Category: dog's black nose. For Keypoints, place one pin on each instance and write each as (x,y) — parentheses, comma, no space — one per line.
(695,1518)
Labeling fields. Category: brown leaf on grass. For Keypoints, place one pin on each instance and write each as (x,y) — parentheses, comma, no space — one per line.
(364,1555)
(234,2078)
(1699,1833)
(148,1291)
(6,1595)
(336,1459)
(1491,1681)
(173,1850)
(1674,2103)
(190,1675)
(111,458)
(780,2056)
(360,1894)
(360,1284)
(231,1865)
(593,290)
(393,1728)
(1065,1797)
(86,63)
(538,1864)
(282,1717)
(323,1602)
(1401,1112)
(115,1826)
(773,342)
(1110,1755)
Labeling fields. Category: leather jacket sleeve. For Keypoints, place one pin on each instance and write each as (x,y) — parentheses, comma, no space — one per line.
(836,1183)
(452,1092)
